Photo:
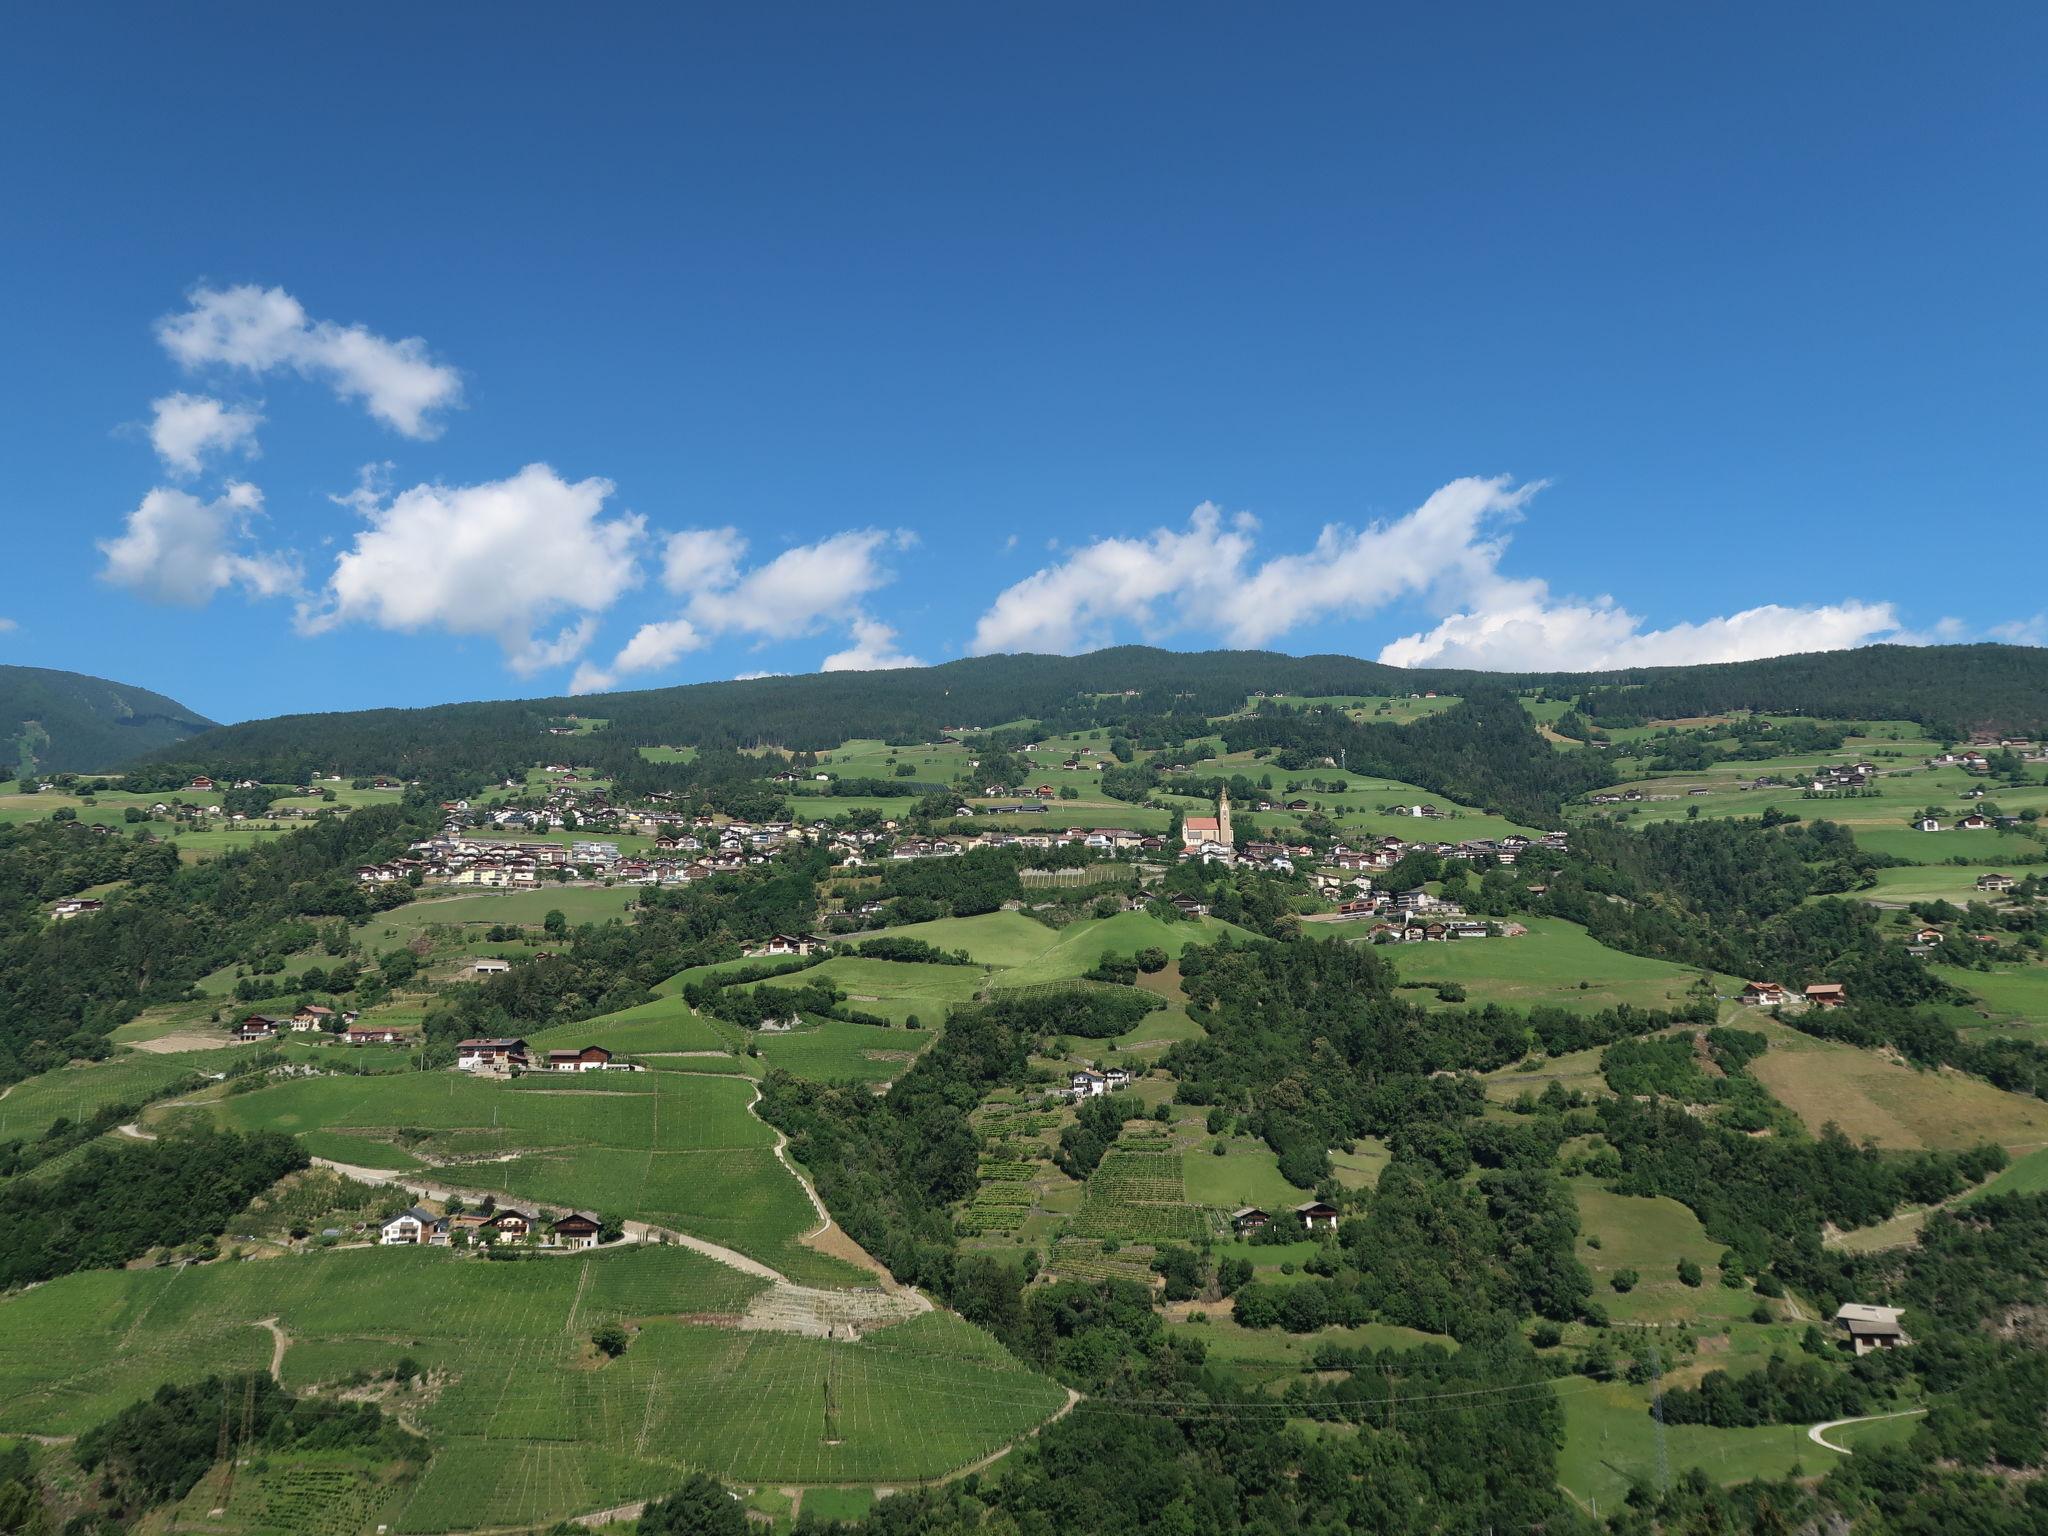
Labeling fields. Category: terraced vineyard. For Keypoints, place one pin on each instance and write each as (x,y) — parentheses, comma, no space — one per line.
(513,1386)
(678,1149)
(1139,1197)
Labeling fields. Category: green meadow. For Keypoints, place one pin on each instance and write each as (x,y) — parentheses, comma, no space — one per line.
(1556,963)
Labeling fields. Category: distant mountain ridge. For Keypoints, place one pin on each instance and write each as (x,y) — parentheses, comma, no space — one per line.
(67,722)
(1950,689)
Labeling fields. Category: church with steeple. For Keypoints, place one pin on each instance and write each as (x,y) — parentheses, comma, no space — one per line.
(1196,830)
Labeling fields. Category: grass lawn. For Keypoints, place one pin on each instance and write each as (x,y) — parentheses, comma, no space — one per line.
(2015,996)
(994,938)
(1573,1070)
(897,990)
(666,1024)
(1272,1354)
(1650,1235)
(1546,966)
(1610,1441)
(1079,947)
(1247,1174)
(1361,1167)
(1894,1105)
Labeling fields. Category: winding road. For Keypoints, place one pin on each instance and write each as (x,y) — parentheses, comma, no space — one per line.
(1818,1434)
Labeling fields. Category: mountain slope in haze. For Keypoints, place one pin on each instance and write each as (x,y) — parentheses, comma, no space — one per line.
(1949,689)
(59,722)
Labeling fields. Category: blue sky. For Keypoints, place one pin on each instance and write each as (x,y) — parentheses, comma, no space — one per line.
(398,355)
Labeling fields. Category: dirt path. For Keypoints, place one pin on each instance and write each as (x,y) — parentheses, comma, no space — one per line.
(1818,1434)
(135,1132)
(784,1307)
(280,1342)
(828,1237)
(1073,1401)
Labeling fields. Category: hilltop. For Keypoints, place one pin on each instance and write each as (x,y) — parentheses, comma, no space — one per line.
(67,722)
(1951,690)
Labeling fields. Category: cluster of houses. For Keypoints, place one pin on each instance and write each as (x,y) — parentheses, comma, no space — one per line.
(1840,778)
(1975,821)
(1769,994)
(313,1018)
(1314,1215)
(510,1057)
(506,1224)
(1089,1083)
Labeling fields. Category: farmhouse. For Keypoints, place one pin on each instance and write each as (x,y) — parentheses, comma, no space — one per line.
(1087,1083)
(1928,824)
(1246,1219)
(491,967)
(1996,882)
(312,1016)
(1928,936)
(1316,1216)
(373,1034)
(490,1055)
(781,944)
(256,1027)
(1762,994)
(578,1229)
(1976,821)
(415,1225)
(589,1058)
(1869,1327)
(507,1225)
(1826,994)
(77,906)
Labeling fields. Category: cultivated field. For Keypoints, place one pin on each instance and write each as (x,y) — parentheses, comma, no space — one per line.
(1876,1099)
(529,1425)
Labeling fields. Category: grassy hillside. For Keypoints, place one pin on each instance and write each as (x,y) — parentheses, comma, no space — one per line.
(59,722)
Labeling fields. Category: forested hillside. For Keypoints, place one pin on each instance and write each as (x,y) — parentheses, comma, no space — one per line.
(58,722)
(1948,688)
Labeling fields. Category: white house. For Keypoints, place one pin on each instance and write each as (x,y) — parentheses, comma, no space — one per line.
(413,1225)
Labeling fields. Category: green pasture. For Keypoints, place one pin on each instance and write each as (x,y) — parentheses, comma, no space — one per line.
(1650,1234)
(1079,947)
(665,1025)
(894,989)
(1248,1173)
(1001,939)
(1611,1442)
(1546,965)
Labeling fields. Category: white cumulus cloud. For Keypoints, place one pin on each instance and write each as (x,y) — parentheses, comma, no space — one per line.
(176,548)
(1445,555)
(1534,634)
(798,592)
(262,330)
(184,429)
(874,649)
(499,559)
